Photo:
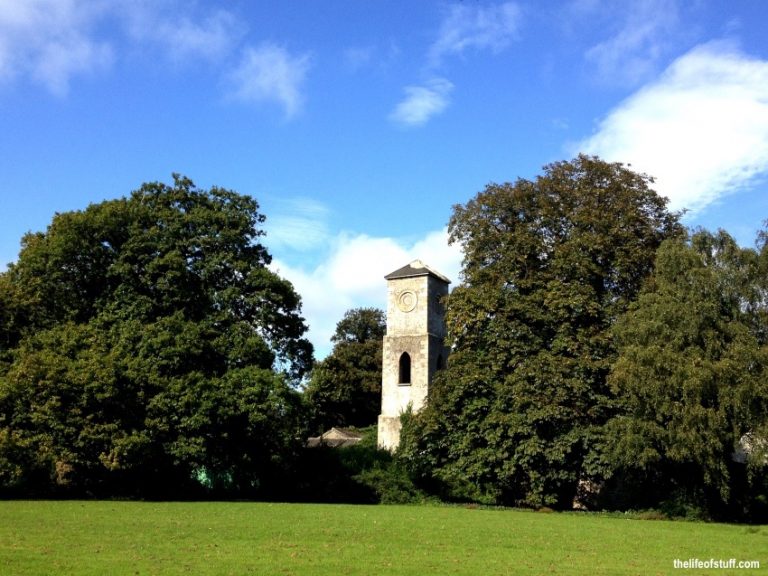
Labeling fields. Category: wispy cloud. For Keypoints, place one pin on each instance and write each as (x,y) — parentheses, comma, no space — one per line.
(376,57)
(422,102)
(701,129)
(185,37)
(358,57)
(298,224)
(270,73)
(352,276)
(633,53)
(51,41)
(475,27)
(463,28)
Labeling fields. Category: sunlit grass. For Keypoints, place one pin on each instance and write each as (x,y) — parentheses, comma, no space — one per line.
(73,537)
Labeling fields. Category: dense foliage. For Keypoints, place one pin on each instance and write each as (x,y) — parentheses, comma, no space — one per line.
(146,348)
(345,387)
(599,352)
(691,379)
(361,474)
(549,265)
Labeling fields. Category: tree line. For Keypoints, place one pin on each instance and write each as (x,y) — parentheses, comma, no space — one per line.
(600,353)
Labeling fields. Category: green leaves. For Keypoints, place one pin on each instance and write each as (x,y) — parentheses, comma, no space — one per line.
(549,265)
(142,339)
(345,387)
(594,342)
(691,369)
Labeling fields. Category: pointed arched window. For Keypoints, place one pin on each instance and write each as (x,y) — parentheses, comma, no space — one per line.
(405,368)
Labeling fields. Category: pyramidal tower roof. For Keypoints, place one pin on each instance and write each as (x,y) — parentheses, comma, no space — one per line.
(416,268)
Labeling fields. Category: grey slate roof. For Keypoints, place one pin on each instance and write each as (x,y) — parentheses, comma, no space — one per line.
(336,438)
(416,268)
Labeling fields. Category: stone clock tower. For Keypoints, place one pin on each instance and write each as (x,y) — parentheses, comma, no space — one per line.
(413,345)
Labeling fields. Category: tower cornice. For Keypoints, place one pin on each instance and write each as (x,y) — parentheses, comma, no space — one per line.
(415,269)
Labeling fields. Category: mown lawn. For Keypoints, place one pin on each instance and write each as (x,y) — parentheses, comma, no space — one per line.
(138,538)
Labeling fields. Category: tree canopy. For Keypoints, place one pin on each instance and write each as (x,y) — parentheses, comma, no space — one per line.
(345,387)
(598,347)
(549,265)
(691,379)
(145,345)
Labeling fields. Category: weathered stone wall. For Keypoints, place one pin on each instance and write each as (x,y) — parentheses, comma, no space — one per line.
(416,326)
(397,395)
(436,314)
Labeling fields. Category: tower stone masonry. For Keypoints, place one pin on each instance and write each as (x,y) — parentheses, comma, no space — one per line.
(414,346)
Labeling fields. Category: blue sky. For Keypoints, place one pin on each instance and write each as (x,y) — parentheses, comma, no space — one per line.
(358,125)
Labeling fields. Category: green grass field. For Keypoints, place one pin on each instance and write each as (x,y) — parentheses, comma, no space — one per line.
(74,537)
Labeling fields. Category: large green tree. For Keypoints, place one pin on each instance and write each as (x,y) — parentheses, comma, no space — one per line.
(549,265)
(146,344)
(345,387)
(691,379)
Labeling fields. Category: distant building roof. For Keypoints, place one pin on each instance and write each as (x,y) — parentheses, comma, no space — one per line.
(336,438)
(416,268)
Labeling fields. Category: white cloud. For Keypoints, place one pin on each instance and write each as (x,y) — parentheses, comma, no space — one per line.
(185,38)
(271,73)
(633,53)
(701,129)
(50,41)
(475,27)
(54,41)
(210,39)
(463,28)
(352,276)
(422,102)
(298,224)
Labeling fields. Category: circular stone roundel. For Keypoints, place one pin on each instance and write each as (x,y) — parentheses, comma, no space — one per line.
(407,300)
